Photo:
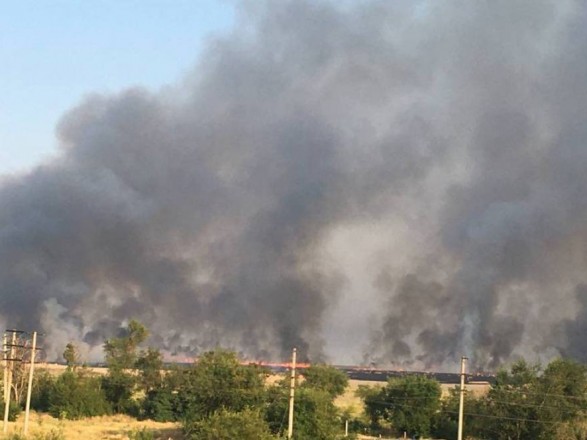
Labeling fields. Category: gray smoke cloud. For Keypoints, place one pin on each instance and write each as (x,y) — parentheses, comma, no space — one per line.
(400,180)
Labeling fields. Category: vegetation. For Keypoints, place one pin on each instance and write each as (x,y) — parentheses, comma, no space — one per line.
(325,378)
(75,395)
(409,404)
(219,398)
(526,402)
(71,356)
(316,417)
(230,425)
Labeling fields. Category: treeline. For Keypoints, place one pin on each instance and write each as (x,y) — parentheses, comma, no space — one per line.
(219,398)
(525,403)
(215,398)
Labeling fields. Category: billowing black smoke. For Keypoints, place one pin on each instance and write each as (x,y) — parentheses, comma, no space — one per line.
(227,209)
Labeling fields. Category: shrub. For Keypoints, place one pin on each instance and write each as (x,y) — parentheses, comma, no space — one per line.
(141,434)
(118,388)
(76,395)
(43,386)
(161,405)
(227,425)
(14,410)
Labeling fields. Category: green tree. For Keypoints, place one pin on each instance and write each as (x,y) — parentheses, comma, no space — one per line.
(121,357)
(526,402)
(150,365)
(511,406)
(325,378)
(218,381)
(446,421)
(121,352)
(76,395)
(43,386)
(227,425)
(409,403)
(71,356)
(315,416)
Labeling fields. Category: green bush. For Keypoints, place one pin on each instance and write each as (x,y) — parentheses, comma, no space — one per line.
(161,405)
(118,388)
(43,386)
(316,417)
(219,381)
(141,434)
(76,395)
(14,410)
(227,425)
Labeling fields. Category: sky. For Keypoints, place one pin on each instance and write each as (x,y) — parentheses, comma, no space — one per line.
(374,181)
(54,52)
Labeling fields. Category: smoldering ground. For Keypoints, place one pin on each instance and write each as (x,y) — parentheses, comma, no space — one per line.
(238,207)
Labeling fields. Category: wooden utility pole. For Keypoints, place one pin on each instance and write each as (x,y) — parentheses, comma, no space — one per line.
(30,385)
(8,370)
(5,362)
(462,398)
(292,387)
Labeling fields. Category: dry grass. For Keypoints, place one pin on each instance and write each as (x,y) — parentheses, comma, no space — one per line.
(97,428)
(57,369)
(351,402)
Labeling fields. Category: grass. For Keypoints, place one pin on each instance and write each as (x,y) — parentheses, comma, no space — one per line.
(118,427)
(350,401)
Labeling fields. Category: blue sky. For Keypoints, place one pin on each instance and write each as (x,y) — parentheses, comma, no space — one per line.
(53,52)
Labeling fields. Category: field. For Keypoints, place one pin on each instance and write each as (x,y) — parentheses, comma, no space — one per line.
(349,400)
(119,427)
(96,428)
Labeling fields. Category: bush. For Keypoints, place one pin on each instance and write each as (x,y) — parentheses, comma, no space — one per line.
(141,434)
(43,386)
(76,395)
(14,410)
(218,381)
(118,388)
(227,425)
(316,417)
(161,405)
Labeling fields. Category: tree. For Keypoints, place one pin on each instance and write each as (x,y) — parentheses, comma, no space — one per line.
(76,395)
(150,364)
(445,424)
(315,417)
(409,403)
(121,352)
(228,425)
(511,404)
(71,356)
(121,357)
(219,382)
(526,402)
(325,378)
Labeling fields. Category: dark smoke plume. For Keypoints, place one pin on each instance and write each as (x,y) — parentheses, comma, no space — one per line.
(406,176)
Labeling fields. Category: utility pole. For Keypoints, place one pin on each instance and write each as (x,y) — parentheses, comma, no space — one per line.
(5,362)
(30,385)
(8,371)
(462,398)
(292,387)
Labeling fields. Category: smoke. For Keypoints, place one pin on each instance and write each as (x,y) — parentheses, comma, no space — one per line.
(238,206)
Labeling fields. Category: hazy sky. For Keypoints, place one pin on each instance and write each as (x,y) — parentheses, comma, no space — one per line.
(53,52)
